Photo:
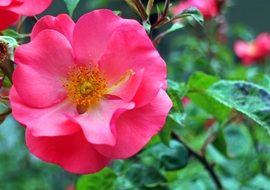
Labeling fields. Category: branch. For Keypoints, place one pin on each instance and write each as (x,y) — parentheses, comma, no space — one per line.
(203,161)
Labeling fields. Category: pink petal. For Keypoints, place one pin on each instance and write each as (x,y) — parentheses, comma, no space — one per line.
(29,7)
(98,124)
(241,48)
(128,90)
(72,152)
(262,42)
(62,23)
(92,33)
(49,121)
(138,53)
(41,68)
(7,19)
(136,127)
(5,2)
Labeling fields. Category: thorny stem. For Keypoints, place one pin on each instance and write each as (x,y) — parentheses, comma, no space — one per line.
(203,161)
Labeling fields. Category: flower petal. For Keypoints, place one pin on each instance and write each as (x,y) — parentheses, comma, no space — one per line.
(128,90)
(10,18)
(139,53)
(50,121)
(92,33)
(62,23)
(135,128)
(72,152)
(5,2)
(42,65)
(98,123)
(29,7)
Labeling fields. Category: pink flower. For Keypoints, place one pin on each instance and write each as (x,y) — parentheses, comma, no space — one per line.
(256,50)
(209,8)
(185,100)
(88,92)
(11,10)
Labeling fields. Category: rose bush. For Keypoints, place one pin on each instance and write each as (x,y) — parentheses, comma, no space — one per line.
(88,92)
(11,10)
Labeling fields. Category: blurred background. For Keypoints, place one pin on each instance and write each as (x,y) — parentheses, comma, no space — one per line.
(242,19)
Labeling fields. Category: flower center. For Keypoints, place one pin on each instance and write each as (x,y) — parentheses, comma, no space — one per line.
(252,49)
(85,87)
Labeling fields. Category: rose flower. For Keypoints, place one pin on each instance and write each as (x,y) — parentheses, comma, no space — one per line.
(252,51)
(88,92)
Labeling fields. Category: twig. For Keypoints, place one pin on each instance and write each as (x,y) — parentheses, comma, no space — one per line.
(209,140)
(203,161)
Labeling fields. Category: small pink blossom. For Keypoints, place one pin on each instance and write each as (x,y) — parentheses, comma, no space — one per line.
(11,10)
(185,100)
(252,51)
(88,92)
(209,8)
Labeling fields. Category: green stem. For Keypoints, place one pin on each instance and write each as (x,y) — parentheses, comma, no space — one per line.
(203,161)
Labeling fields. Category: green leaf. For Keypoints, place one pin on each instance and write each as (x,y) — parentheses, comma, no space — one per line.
(260,182)
(172,157)
(220,142)
(14,34)
(174,27)
(247,98)
(176,91)
(193,12)
(220,97)
(71,5)
(175,157)
(145,177)
(165,133)
(238,140)
(103,180)
(197,92)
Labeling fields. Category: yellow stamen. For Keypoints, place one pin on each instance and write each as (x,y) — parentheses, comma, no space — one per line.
(86,86)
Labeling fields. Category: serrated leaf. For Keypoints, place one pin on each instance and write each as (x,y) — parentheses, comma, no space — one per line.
(197,92)
(245,97)
(103,180)
(71,5)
